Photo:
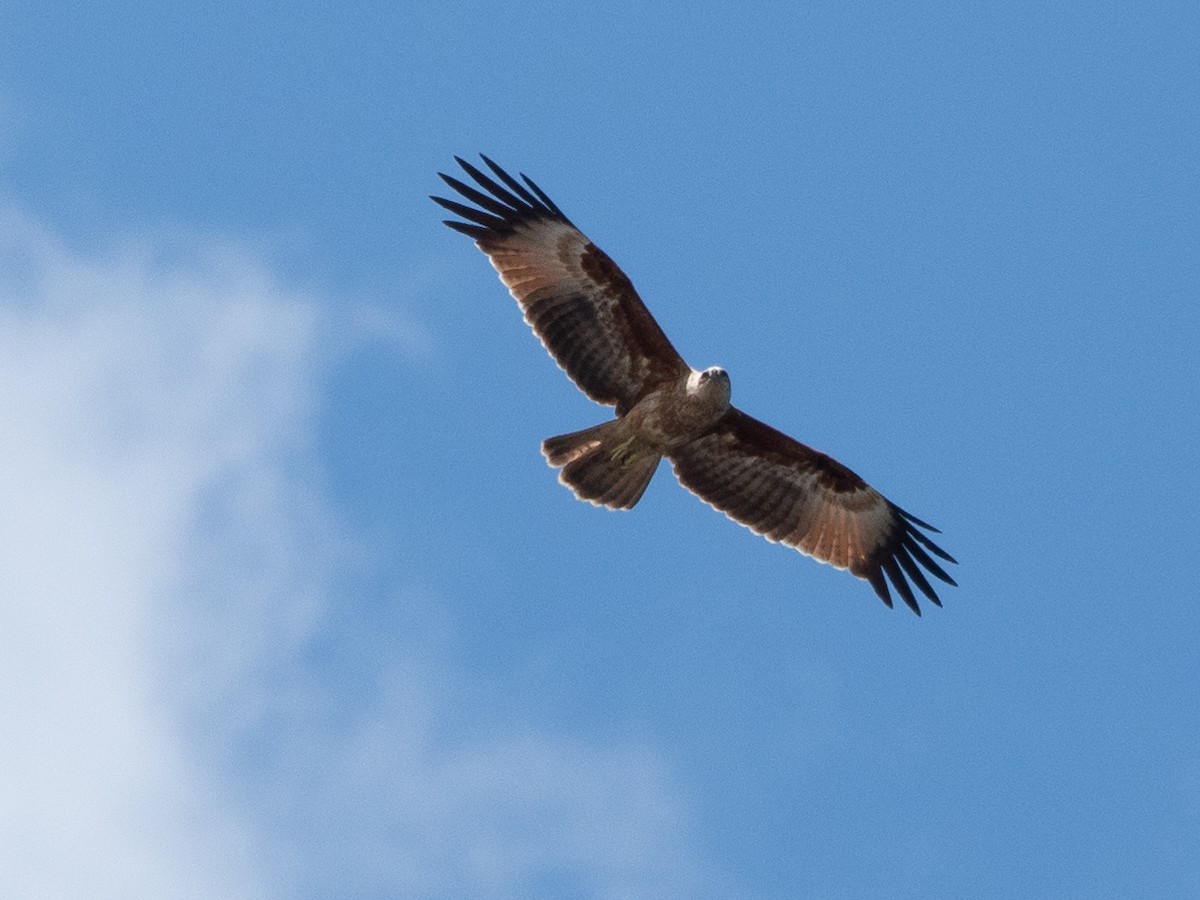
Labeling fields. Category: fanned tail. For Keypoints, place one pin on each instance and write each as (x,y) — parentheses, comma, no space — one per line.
(595,467)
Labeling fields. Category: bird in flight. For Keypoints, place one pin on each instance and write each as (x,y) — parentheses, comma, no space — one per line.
(589,317)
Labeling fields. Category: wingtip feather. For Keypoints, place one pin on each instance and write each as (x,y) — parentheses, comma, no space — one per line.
(875,577)
(896,576)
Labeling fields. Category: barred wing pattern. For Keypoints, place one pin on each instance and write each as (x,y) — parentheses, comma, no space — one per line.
(581,306)
(790,493)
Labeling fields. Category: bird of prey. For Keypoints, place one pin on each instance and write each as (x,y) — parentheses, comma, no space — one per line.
(591,320)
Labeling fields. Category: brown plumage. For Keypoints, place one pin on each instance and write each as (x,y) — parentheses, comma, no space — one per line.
(591,320)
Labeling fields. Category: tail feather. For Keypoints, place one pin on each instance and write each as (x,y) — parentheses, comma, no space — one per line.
(567,448)
(590,470)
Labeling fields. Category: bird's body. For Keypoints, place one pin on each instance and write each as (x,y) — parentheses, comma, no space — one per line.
(612,464)
(589,317)
(676,412)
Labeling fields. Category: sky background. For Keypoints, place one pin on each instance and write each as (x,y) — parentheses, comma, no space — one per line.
(290,604)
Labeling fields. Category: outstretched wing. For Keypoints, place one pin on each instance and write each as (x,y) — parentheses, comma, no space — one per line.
(578,302)
(790,493)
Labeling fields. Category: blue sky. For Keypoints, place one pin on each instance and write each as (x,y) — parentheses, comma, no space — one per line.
(292,606)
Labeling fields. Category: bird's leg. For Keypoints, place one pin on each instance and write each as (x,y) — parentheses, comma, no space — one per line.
(626,452)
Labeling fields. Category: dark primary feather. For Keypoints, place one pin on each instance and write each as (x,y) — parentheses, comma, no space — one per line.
(507,207)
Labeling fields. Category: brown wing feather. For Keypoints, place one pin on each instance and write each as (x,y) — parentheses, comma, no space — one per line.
(578,302)
(788,492)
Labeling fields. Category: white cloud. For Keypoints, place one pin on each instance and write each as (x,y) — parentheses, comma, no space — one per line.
(163,565)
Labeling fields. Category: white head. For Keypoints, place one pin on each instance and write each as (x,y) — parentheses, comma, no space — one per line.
(712,384)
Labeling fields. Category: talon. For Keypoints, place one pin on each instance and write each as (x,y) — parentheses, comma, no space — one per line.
(623,454)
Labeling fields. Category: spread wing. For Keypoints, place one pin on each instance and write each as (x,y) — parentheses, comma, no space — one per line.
(578,302)
(788,492)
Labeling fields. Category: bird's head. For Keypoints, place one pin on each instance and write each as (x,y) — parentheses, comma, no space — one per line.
(712,383)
